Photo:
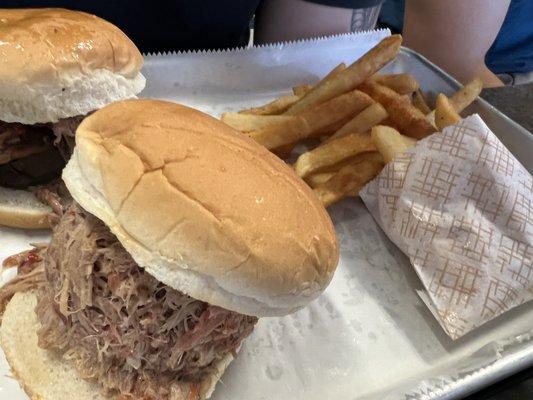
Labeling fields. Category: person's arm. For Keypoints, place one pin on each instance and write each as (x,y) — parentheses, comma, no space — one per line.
(281,20)
(455,34)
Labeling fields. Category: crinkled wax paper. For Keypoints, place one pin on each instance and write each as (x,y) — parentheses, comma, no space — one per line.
(459,205)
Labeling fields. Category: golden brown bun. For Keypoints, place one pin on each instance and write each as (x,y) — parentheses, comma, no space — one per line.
(203,208)
(57,63)
(21,209)
(38,42)
(44,375)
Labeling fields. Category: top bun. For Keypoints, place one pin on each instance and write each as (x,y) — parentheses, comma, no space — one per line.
(57,63)
(203,208)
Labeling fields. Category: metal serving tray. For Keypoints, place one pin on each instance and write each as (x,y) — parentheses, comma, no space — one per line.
(369,336)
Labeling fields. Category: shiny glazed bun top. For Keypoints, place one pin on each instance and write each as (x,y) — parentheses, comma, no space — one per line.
(38,44)
(51,58)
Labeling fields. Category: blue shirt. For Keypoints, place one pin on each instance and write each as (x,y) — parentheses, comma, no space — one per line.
(512,50)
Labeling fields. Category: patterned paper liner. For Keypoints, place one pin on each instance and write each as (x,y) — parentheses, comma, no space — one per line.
(459,205)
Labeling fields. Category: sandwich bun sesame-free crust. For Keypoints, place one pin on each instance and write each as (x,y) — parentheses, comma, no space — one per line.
(57,63)
(203,208)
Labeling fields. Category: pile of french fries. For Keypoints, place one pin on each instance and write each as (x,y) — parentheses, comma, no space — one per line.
(360,118)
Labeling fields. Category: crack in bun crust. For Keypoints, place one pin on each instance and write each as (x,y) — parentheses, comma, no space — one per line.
(202,207)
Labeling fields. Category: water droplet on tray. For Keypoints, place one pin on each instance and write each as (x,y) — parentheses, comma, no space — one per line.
(274,372)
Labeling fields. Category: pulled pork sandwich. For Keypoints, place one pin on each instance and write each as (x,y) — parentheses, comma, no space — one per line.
(182,232)
(56,66)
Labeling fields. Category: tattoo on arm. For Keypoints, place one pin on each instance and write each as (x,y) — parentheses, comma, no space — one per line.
(364,18)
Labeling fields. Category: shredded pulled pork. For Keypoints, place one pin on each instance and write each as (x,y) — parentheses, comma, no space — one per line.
(57,196)
(116,323)
(65,131)
(30,273)
(19,141)
(35,154)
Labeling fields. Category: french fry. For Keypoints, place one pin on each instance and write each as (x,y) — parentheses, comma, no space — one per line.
(312,122)
(463,97)
(341,164)
(332,74)
(283,134)
(251,122)
(407,118)
(275,107)
(445,114)
(419,101)
(400,83)
(350,179)
(300,90)
(338,111)
(318,179)
(362,122)
(332,153)
(351,77)
(390,142)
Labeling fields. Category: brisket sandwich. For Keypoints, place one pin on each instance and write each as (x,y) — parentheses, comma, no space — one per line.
(182,232)
(56,66)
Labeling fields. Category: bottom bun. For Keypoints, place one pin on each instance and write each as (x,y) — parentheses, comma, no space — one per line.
(21,209)
(44,375)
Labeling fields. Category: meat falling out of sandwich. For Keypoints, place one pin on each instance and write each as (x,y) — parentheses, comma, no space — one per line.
(165,260)
(56,67)
(32,155)
(116,323)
